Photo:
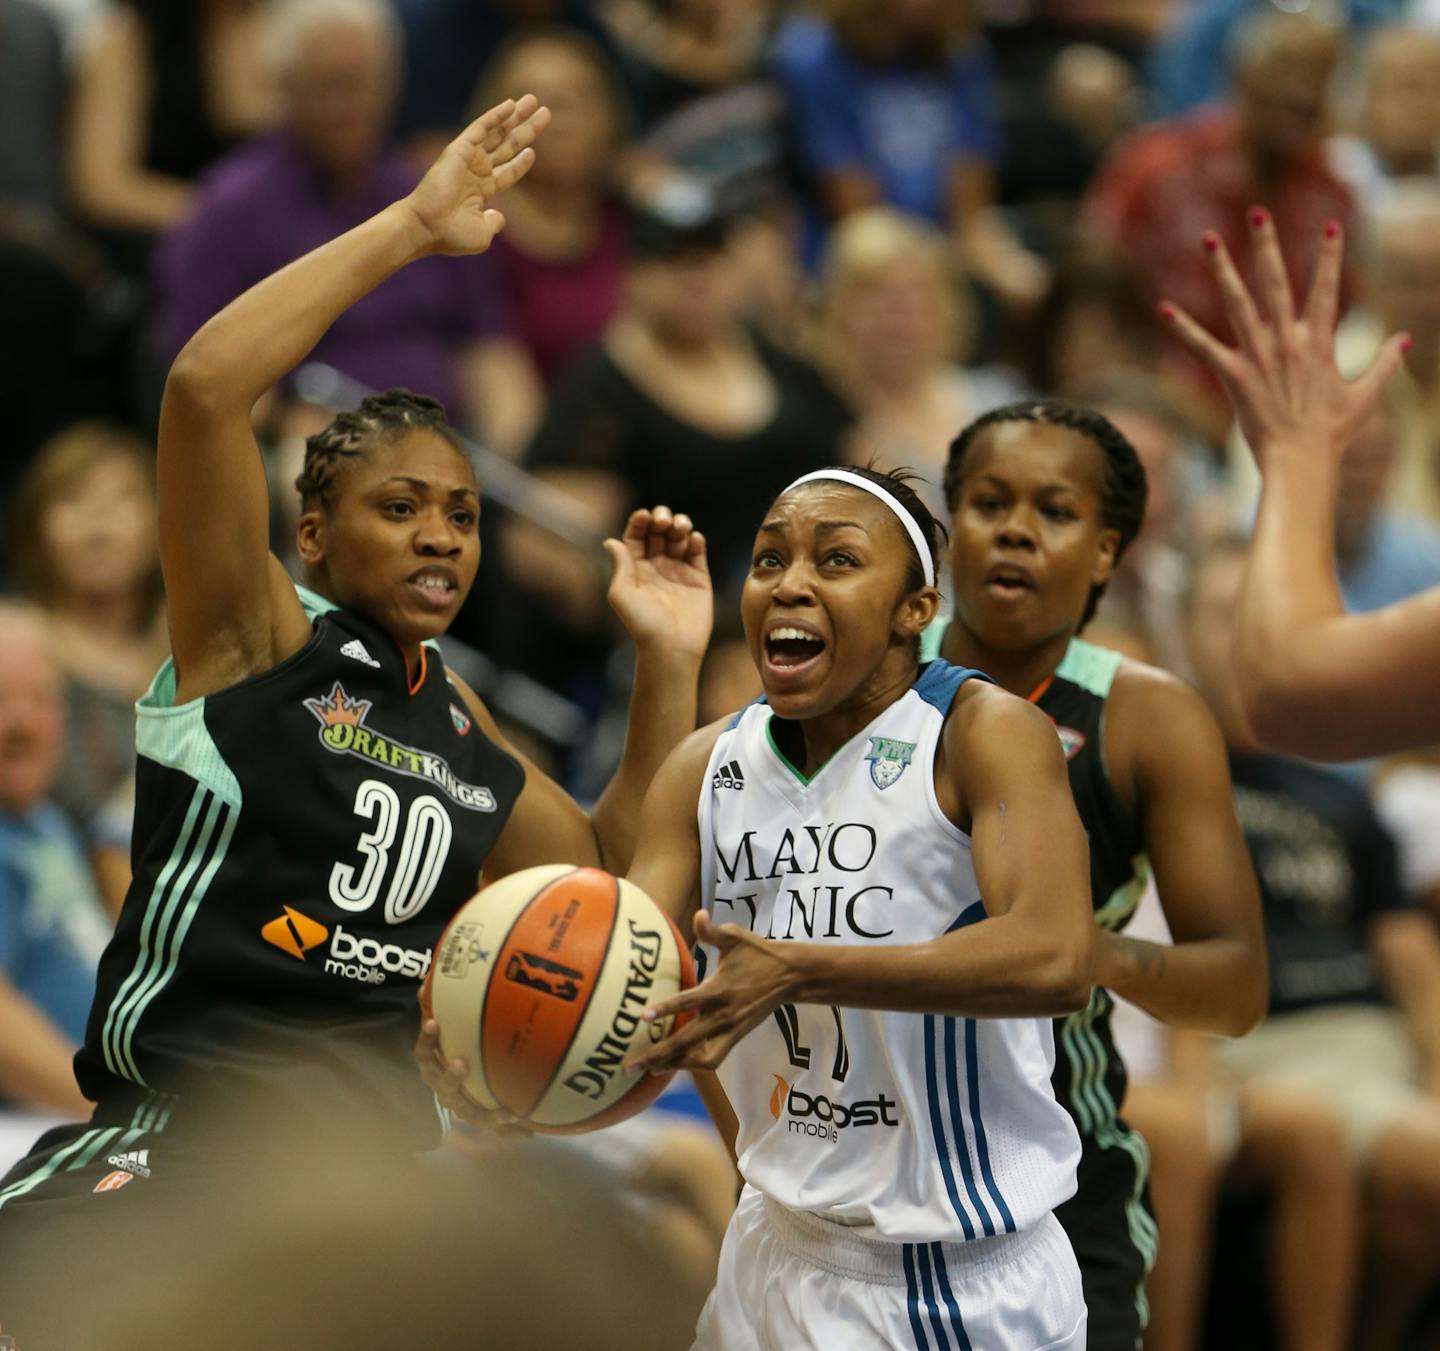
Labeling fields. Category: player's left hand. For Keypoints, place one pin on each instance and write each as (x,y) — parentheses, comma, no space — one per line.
(753,977)
(660,584)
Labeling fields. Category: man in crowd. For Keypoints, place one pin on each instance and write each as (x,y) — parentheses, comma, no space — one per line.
(438,327)
(52,925)
(1161,190)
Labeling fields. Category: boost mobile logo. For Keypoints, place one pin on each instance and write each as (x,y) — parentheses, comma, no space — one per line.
(822,1117)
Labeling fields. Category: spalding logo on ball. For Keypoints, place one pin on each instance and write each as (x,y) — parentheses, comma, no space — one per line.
(538,985)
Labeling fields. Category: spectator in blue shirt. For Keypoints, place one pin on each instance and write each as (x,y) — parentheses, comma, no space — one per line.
(892,101)
(52,926)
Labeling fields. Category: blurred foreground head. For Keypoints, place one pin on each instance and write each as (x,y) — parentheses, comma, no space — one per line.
(330,1245)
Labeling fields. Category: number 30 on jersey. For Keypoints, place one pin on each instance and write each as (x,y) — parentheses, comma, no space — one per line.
(424,847)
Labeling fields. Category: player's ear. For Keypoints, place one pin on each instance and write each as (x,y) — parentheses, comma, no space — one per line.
(917,610)
(310,537)
(1105,557)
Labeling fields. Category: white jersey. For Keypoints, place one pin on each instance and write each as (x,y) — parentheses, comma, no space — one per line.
(918,1127)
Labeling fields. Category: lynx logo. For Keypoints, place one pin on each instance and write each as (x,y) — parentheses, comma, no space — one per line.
(369,962)
(1071,741)
(461,720)
(888,759)
(540,973)
(822,1118)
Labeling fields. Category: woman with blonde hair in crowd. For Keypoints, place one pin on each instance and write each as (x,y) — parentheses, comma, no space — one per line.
(894,324)
(84,547)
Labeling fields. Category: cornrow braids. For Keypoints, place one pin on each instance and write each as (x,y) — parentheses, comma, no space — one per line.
(1123,494)
(380,418)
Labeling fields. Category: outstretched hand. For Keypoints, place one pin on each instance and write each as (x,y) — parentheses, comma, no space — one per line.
(660,583)
(753,977)
(493,153)
(1288,396)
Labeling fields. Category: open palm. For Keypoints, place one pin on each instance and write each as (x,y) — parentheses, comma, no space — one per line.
(1281,377)
(660,585)
(493,153)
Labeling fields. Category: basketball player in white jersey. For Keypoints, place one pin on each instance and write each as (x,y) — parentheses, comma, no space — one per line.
(889,886)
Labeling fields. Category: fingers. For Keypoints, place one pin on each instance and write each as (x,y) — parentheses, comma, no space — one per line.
(1366,392)
(1245,321)
(529,120)
(658,531)
(1270,268)
(1323,302)
(1221,359)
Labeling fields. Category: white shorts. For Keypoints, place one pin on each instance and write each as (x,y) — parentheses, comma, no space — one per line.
(790,1280)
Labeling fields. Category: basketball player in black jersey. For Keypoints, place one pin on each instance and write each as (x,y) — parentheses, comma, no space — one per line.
(316,793)
(1044,499)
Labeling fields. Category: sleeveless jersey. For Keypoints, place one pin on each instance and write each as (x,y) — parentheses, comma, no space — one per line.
(1090,1077)
(916,1126)
(301,839)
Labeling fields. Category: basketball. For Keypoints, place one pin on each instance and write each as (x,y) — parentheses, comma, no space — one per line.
(538,985)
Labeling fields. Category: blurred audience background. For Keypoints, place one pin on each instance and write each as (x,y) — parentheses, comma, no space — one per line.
(761,236)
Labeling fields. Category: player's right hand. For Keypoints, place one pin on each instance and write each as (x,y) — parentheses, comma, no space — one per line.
(446,1079)
(451,203)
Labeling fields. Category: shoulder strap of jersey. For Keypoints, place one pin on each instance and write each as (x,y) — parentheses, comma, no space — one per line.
(938,683)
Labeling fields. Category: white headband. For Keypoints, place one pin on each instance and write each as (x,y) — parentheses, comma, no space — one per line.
(912,527)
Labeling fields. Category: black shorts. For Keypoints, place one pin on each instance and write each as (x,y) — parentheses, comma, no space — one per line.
(1112,1229)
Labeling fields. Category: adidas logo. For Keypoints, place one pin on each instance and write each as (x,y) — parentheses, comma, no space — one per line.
(729,776)
(136,1162)
(356,650)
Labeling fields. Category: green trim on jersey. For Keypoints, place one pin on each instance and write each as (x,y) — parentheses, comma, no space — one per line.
(175,735)
(1098,1117)
(931,639)
(1123,901)
(785,760)
(1092,668)
(169,911)
(313,603)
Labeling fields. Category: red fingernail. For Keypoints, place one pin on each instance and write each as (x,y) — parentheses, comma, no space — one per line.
(1332,228)
(1167,311)
(1258,216)
(1406,343)
(1211,241)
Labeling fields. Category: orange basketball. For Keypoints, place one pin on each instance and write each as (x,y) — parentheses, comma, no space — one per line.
(538,985)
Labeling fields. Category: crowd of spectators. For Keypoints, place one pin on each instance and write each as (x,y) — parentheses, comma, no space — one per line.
(762,236)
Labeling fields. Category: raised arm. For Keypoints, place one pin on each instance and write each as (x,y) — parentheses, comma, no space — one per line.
(1030,955)
(1314,680)
(231,610)
(1214,977)
(661,588)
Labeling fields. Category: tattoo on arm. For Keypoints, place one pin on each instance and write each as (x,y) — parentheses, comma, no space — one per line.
(1149,958)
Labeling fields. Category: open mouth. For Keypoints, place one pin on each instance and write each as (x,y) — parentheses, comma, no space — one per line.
(1009,582)
(789,648)
(434,587)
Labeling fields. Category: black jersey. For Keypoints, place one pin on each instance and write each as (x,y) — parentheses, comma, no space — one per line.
(301,839)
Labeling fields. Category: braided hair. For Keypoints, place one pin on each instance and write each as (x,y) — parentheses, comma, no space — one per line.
(1123,494)
(380,419)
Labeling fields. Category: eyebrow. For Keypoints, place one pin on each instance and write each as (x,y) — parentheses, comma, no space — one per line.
(1044,487)
(421,486)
